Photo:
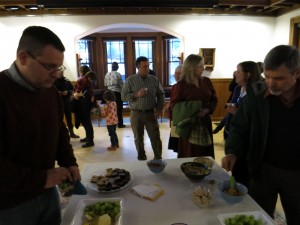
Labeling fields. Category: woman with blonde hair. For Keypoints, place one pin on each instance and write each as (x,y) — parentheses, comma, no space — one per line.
(192,87)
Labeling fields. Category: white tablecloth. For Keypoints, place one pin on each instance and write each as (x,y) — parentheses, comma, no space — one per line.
(173,207)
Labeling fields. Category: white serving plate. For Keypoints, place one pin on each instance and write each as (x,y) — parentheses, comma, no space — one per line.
(79,213)
(257,215)
(94,186)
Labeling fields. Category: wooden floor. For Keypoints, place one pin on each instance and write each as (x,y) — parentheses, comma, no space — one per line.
(127,151)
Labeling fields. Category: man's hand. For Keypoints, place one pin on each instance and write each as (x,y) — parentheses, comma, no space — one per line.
(228,162)
(74,170)
(57,175)
(141,93)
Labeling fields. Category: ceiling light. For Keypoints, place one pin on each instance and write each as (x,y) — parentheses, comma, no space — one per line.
(12,8)
(33,7)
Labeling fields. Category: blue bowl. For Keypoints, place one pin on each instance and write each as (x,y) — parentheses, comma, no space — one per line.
(156,165)
(233,199)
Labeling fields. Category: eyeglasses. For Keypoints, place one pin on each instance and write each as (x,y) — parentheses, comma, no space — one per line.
(48,67)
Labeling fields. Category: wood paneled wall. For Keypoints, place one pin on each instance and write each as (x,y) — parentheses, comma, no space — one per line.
(223,93)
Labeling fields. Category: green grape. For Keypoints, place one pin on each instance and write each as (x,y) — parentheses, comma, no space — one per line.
(243,220)
(101,208)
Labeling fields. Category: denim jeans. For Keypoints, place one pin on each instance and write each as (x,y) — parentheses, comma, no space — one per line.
(42,210)
(113,135)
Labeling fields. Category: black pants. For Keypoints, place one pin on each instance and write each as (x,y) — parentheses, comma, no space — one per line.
(83,108)
(68,114)
(113,135)
(119,108)
(271,182)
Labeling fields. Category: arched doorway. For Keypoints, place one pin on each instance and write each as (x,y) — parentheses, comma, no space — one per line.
(129,33)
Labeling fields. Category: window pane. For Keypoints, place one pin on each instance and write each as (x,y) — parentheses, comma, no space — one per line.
(83,50)
(172,67)
(144,48)
(115,53)
(173,46)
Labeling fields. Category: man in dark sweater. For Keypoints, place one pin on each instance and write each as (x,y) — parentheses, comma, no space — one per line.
(265,132)
(33,136)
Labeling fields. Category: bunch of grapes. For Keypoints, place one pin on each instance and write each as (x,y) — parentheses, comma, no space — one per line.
(243,220)
(101,208)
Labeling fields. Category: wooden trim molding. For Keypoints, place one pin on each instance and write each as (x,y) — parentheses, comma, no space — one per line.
(294,31)
(223,93)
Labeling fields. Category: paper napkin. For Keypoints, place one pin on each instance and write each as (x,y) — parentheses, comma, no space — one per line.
(148,191)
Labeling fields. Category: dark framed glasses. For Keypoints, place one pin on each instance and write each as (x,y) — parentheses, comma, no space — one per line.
(50,68)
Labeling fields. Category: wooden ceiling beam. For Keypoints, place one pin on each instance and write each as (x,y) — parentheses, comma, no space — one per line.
(230,7)
(17,2)
(245,2)
(276,2)
(245,7)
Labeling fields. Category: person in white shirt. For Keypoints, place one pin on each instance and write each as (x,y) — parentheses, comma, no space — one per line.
(113,81)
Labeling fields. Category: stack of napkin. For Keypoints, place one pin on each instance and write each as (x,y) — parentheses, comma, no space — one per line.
(148,191)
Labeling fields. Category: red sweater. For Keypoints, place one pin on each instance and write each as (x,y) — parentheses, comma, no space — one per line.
(32,138)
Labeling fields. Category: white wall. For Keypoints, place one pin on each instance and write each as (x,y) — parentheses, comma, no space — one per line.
(282,27)
(236,38)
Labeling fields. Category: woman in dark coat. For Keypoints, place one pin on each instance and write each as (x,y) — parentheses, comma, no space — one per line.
(84,96)
(192,86)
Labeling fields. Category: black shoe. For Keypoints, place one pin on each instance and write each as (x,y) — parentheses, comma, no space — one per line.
(74,136)
(121,126)
(143,158)
(88,144)
(84,140)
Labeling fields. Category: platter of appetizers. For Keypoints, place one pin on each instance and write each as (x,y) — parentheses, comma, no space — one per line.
(110,180)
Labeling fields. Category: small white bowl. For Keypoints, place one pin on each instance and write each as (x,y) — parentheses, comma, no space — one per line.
(202,196)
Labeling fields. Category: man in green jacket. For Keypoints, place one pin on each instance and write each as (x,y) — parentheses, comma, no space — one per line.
(265,132)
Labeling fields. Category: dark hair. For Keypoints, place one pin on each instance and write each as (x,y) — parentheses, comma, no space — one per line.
(251,68)
(91,75)
(260,67)
(286,55)
(85,69)
(109,95)
(114,66)
(35,38)
(139,60)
